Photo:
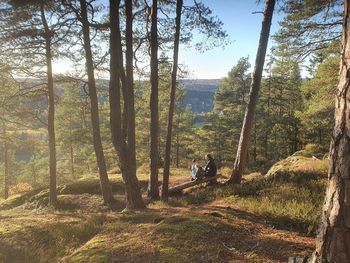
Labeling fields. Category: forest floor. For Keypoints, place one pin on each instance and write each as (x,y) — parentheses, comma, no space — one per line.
(266,219)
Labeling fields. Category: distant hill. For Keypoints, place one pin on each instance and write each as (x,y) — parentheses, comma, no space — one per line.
(200,93)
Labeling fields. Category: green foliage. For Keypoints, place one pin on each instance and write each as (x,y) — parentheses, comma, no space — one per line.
(182,123)
(318,94)
(221,130)
(290,113)
(276,133)
(73,129)
(277,126)
(309,26)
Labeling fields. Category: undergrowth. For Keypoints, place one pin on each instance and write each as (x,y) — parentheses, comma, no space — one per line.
(219,222)
(291,197)
(48,241)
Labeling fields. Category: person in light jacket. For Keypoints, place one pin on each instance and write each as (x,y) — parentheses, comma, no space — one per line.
(194,169)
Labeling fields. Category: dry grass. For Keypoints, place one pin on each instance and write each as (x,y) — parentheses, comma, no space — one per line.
(262,220)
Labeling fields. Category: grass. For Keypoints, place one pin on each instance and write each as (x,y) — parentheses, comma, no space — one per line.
(43,239)
(265,219)
(290,195)
(85,185)
(155,235)
(185,236)
(286,205)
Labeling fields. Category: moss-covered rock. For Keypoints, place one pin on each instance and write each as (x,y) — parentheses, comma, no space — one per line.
(302,163)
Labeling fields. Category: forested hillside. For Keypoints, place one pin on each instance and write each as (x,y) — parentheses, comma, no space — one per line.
(199,96)
(110,152)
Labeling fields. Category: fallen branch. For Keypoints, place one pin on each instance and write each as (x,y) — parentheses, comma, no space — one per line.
(183,186)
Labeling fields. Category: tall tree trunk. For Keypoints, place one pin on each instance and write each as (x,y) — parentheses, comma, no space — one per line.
(255,143)
(295,141)
(6,166)
(167,159)
(177,151)
(34,173)
(219,149)
(133,192)
(7,171)
(101,163)
(333,240)
(51,110)
(83,114)
(71,151)
(268,123)
(241,156)
(125,150)
(153,188)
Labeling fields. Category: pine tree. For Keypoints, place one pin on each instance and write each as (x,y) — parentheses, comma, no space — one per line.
(123,137)
(29,36)
(153,187)
(241,156)
(100,158)
(166,172)
(309,26)
(333,238)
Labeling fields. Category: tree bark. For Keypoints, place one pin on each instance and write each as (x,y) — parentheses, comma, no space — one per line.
(101,163)
(295,141)
(177,151)
(34,174)
(6,166)
(51,109)
(180,187)
(153,188)
(167,159)
(241,156)
(71,151)
(333,240)
(125,149)
(133,192)
(255,143)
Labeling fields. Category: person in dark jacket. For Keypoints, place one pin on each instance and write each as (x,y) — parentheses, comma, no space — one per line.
(210,169)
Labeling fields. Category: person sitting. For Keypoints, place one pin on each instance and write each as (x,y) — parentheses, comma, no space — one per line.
(210,169)
(197,171)
(194,169)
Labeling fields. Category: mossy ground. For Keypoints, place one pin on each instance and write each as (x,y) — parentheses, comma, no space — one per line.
(266,219)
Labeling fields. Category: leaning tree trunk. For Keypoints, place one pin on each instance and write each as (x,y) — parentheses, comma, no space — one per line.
(242,151)
(95,120)
(51,110)
(153,188)
(126,127)
(333,240)
(166,171)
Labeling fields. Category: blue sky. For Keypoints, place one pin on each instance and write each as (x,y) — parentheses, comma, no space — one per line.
(243,29)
